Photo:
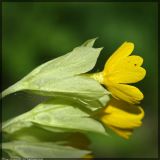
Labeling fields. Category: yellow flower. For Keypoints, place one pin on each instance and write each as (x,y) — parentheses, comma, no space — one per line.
(120,70)
(122,117)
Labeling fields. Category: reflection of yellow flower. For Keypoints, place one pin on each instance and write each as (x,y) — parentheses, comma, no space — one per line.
(121,69)
(88,157)
(122,117)
(79,140)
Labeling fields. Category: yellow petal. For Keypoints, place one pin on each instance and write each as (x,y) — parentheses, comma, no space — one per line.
(122,115)
(127,71)
(125,92)
(88,157)
(134,60)
(123,51)
(125,133)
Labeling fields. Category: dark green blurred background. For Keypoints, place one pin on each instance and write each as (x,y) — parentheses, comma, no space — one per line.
(34,33)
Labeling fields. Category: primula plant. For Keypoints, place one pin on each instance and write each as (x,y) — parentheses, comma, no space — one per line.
(78,103)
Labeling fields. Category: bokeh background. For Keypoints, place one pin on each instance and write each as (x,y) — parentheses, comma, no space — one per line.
(34,33)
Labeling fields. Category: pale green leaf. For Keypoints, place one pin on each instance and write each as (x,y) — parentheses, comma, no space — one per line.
(42,150)
(89,43)
(95,104)
(60,76)
(77,86)
(11,154)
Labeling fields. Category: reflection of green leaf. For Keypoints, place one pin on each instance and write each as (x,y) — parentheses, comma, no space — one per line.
(42,150)
(63,114)
(60,76)
(36,134)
